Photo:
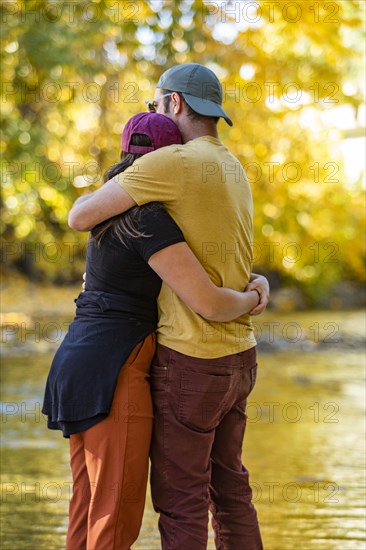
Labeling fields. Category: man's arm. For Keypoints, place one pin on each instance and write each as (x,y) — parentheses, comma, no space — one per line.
(83,198)
(111,199)
(148,179)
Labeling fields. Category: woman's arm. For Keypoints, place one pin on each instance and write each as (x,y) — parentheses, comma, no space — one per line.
(182,272)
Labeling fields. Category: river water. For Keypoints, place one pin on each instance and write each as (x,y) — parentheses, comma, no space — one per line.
(303,447)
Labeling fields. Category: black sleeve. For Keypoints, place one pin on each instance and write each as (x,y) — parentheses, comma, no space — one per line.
(160,230)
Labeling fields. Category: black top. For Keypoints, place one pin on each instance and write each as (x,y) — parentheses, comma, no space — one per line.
(117,310)
(119,270)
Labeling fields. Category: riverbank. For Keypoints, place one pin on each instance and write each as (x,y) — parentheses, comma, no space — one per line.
(303,448)
(35,318)
(305,414)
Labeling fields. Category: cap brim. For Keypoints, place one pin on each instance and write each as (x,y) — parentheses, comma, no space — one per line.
(206,108)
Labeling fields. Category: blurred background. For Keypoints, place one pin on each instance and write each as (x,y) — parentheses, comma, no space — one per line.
(294,84)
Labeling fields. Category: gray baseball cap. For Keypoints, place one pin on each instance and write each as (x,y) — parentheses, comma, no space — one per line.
(199,86)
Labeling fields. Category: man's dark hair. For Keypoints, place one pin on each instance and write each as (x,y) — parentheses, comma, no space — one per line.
(190,112)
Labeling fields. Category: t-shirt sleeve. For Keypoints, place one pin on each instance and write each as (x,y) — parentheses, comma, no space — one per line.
(160,230)
(157,176)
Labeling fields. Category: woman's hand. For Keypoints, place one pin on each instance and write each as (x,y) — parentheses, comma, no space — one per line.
(181,271)
(261,285)
(83,285)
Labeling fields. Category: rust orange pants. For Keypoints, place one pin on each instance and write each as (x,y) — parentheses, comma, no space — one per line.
(109,463)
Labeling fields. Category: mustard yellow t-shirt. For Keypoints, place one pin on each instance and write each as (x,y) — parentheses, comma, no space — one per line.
(205,190)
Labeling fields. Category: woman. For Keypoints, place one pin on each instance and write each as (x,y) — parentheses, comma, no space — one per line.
(97,391)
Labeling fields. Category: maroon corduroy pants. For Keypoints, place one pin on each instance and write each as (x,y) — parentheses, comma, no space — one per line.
(196,453)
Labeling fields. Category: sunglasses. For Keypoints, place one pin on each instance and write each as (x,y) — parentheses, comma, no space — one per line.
(153,103)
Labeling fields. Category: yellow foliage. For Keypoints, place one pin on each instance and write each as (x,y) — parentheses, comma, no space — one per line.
(71,83)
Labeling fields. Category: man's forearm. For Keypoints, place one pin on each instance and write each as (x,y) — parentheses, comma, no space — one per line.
(81,199)
(108,201)
(74,209)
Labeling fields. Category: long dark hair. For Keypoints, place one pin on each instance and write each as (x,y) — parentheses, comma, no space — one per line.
(127,224)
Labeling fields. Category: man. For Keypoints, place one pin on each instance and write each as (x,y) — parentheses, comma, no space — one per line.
(203,371)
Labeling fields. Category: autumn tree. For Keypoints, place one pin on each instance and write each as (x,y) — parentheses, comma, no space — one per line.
(73,73)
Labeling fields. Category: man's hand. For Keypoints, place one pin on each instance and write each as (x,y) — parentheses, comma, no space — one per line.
(261,284)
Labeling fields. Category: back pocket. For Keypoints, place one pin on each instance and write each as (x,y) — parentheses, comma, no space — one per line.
(203,399)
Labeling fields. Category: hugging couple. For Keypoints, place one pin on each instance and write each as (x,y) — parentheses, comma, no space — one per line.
(161,355)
